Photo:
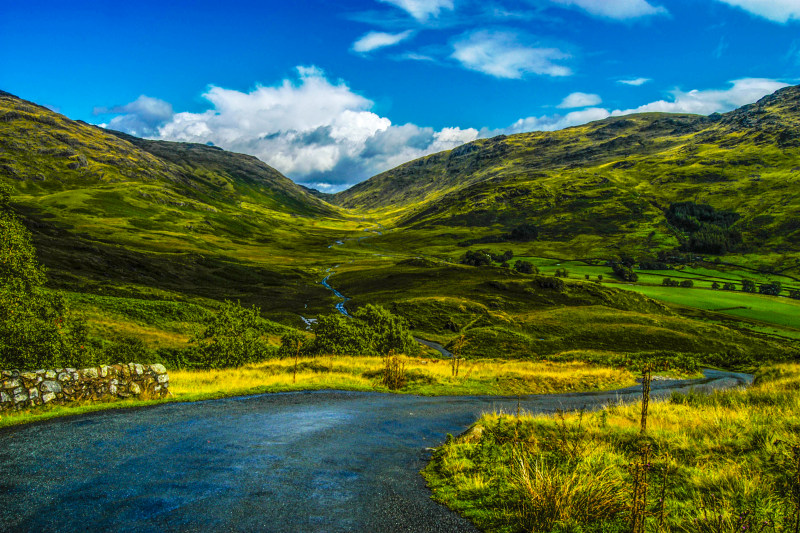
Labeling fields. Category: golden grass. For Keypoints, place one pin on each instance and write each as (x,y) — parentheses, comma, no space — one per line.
(728,456)
(424,376)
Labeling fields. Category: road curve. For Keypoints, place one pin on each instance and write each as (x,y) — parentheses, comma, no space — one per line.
(313,461)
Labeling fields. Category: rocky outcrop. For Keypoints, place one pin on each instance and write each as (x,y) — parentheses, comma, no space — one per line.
(20,389)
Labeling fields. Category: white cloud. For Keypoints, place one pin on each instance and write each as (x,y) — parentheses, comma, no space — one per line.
(775,10)
(500,54)
(142,117)
(636,82)
(580,100)
(421,10)
(323,134)
(742,92)
(377,39)
(310,128)
(616,9)
(557,122)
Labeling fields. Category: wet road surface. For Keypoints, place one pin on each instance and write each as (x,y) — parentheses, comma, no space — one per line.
(311,461)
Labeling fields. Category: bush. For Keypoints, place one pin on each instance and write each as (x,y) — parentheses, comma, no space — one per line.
(771,289)
(561,273)
(476,258)
(729,287)
(126,349)
(687,284)
(748,285)
(524,267)
(372,331)
(623,272)
(233,337)
(794,294)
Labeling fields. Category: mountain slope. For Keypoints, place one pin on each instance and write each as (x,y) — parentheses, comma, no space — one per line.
(108,208)
(606,187)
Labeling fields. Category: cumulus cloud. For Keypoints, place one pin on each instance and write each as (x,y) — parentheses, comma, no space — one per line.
(781,11)
(322,134)
(636,82)
(142,117)
(378,39)
(556,122)
(421,10)
(742,92)
(502,55)
(317,131)
(704,102)
(580,100)
(616,9)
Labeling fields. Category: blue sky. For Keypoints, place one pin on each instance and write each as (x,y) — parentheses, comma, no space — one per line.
(332,92)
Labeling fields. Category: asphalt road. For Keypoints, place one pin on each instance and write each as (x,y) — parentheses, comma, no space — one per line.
(313,461)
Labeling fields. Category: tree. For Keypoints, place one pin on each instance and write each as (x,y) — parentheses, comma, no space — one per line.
(715,286)
(477,258)
(36,330)
(687,284)
(373,330)
(624,272)
(292,344)
(232,337)
(387,332)
(728,286)
(561,273)
(795,294)
(523,267)
(771,289)
(748,285)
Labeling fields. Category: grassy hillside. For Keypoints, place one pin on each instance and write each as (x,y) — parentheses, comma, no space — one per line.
(605,188)
(148,236)
(113,212)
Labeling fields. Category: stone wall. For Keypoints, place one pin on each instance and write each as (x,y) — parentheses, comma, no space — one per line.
(27,389)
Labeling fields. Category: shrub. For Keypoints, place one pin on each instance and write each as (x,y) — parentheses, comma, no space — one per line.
(476,258)
(233,337)
(748,285)
(524,267)
(771,289)
(623,272)
(687,284)
(561,273)
(373,330)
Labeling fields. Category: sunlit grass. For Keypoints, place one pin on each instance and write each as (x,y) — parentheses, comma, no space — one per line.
(727,455)
(424,376)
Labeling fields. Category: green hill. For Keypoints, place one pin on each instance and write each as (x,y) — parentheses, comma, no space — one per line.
(129,226)
(605,188)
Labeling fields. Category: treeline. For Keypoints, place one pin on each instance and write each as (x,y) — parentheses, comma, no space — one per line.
(710,231)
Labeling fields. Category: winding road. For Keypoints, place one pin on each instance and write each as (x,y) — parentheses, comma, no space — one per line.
(313,461)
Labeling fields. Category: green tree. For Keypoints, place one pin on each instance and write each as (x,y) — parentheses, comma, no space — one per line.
(387,332)
(233,337)
(292,344)
(373,330)
(748,285)
(524,267)
(36,330)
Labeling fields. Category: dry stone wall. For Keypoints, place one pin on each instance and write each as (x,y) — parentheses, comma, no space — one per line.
(19,389)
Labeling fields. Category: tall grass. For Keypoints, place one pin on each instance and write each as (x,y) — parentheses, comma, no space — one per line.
(722,462)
